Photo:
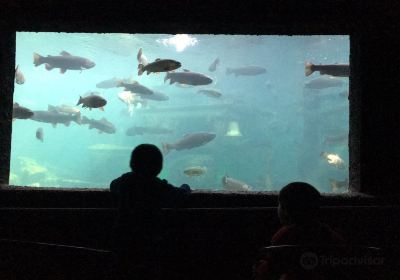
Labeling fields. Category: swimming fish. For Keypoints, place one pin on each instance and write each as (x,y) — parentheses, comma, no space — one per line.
(19,77)
(338,70)
(135,87)
(234,185)
(195,171)
(20,112)
(334,159)
(110,83)
(55,117)
(246,71)
(210,92)
(128,98)
(189,141)
(213,66)
(102,125)
(338,185)
(324,82)
(188,78)
(142,59)
(65,62)
(92,101)
(39,134)
(66,109)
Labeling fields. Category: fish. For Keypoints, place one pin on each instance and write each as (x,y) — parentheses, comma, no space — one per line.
(135,87)
(340,139)
(324,82)
(195,171)
(92,101)
(210,92)
(110,83)
(140,130)
(65,61)
(20,112)
(39,134)
(338,70)
(128,98)
(189,141)
(66,109)
(156,96)
(337,185)
(55,117)
(159,65)
(333,159)
(231,184)
(142,59)
(213,66)
(102,125)
(246,71)
(188,78)
(19,77)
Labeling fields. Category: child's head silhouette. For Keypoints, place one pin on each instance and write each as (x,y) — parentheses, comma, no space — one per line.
(298,203)
(146,159)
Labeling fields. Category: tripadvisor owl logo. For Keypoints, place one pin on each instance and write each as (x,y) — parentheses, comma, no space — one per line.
(309,260)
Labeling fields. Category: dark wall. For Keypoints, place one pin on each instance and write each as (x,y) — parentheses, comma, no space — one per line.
(373,26)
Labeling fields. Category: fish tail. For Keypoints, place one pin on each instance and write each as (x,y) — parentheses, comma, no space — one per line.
(140,69)
(80,101)
(77,118)
(165,148)
(84,120)
(228,71)
(37,59)
(139,55)
(49,67)
(308,68)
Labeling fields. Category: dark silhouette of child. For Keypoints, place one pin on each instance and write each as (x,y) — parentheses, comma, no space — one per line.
(298,211)
(140,196)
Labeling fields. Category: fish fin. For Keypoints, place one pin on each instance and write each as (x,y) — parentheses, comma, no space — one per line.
(63,70)
(308,68)
(80,101)
(228,71)
(54,125)
(148,72)
(37,59)
(67,123)
(140,69)
(157,59)
(171,81)
(139,54)
(16,104)
(64,53)
(185,70)
(101,109)
(49,67)
(167,76)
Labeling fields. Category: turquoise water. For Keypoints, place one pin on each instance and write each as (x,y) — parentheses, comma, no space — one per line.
(270,129)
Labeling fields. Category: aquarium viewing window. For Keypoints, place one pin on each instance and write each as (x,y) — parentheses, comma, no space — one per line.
(229,112)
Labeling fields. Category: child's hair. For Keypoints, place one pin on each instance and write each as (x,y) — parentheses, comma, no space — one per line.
(146,159)
(301,201)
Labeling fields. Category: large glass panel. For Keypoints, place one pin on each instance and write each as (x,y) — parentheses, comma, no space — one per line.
(230,112)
